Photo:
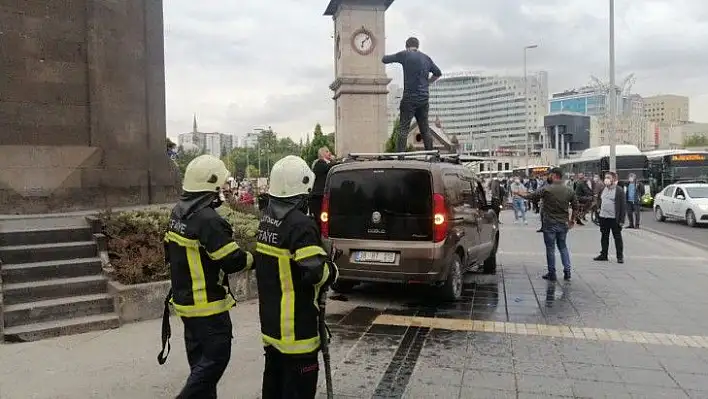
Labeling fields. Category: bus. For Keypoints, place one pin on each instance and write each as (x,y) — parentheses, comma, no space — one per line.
(596,161)
(673,166)
(535,171)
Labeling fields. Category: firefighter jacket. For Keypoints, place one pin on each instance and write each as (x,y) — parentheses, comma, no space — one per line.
(201,251)
(292,269)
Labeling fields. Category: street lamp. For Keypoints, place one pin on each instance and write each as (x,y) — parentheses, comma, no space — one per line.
(613,92)
(526,106)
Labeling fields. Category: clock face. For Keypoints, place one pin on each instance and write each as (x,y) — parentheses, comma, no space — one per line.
(363,42)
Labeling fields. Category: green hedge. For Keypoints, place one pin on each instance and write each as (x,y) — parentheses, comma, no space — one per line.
(135,243)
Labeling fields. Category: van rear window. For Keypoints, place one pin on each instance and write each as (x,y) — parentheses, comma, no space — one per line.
(402,198)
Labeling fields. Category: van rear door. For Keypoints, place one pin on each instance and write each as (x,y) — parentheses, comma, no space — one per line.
(381,204)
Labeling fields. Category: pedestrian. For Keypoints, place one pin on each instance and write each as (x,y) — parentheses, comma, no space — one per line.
(497,194)
(201,252)
(613,208)
(556,221)
(583,193)
(417,68)
(320,167)
(518,201)
(292,270)
(635,192)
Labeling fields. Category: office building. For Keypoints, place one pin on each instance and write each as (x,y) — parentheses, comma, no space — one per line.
(666,109)
(217,144)
(631,126)
(487,112)
(250,140)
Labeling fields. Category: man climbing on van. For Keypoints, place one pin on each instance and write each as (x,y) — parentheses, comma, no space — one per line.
(417,70)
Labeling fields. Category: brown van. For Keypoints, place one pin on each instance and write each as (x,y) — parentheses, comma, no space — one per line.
(418,218)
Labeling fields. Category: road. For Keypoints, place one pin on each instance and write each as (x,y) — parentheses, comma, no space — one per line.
(697,236)
(632,330)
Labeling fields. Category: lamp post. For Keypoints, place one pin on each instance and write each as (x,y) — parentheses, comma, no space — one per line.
(613,93)
(526,106)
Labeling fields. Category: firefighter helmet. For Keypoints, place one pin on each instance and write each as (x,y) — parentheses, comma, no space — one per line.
(206,173)
(290,177)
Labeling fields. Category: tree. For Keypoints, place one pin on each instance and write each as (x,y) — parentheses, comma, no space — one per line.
(252,171)
(393,138)
(697,140)
(319,140)
(183,158)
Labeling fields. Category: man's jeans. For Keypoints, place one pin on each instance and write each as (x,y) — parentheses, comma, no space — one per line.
(519,207)
(634,211)
(554,234)
(409,109)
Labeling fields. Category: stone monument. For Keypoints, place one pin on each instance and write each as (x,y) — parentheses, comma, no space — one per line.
(360,85)
(82,106)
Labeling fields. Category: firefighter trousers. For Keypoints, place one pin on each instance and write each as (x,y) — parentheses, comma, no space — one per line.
(208,343)
(290,376)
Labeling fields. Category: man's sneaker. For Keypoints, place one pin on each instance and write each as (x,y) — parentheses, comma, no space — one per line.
(620,260)
(549,277)
(566,276)
(600,258)
(580,223)
(526,223)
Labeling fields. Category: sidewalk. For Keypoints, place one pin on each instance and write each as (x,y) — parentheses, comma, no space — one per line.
(660,289)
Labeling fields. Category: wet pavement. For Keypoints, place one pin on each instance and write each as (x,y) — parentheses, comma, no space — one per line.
(632,330)
(697,236)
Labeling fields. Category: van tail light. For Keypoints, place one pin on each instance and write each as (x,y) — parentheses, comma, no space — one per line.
(324,217)
(439,218)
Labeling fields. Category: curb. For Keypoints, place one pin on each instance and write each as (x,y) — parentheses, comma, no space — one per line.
(673,237)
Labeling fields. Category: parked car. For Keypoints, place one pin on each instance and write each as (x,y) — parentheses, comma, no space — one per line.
(688,202)
(409,220)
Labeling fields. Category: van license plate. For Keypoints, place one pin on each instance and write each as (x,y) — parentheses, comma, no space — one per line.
(378,257)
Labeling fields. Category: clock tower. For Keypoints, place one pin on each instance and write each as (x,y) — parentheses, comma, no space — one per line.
(360,83)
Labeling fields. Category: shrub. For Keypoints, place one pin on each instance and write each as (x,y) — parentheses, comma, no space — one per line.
(135,241)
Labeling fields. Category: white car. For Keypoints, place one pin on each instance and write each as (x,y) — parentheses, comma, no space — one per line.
(687,202)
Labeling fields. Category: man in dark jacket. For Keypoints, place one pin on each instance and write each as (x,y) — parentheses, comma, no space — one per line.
(635,192)
(612,205)
(417,70)
(583,193)
(556,221)
(320,168)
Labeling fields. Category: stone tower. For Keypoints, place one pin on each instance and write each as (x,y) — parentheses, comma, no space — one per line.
(360,81)
(82,106)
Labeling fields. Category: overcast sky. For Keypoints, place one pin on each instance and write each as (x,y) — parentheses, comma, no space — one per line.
(253,63)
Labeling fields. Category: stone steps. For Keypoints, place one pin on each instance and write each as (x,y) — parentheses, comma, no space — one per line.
(50,270)
(48,252)
(35,291)
(52,329)
(52,282)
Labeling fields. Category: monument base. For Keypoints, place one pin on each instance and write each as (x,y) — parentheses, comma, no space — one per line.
(44,179)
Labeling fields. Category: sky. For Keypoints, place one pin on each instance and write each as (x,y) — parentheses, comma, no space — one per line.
(245,64)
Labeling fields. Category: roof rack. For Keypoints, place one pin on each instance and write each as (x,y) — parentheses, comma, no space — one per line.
(430,156)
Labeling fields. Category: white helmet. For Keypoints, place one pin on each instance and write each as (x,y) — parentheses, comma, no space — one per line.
(289,177)
(206,173)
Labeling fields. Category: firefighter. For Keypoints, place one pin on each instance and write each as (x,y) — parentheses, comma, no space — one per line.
(201,252)
(292,269)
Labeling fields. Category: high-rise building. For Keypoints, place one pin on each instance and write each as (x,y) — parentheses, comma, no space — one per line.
(217,144)
(250,140)
(666,109)
(631,126)
(487,112)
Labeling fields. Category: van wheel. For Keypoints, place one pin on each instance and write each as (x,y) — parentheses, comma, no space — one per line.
(490,264)
(344,287)
(452,289)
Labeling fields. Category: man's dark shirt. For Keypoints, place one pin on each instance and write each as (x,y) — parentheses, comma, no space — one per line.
(320,168)
(582,190)
(557,198)
(417,67)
